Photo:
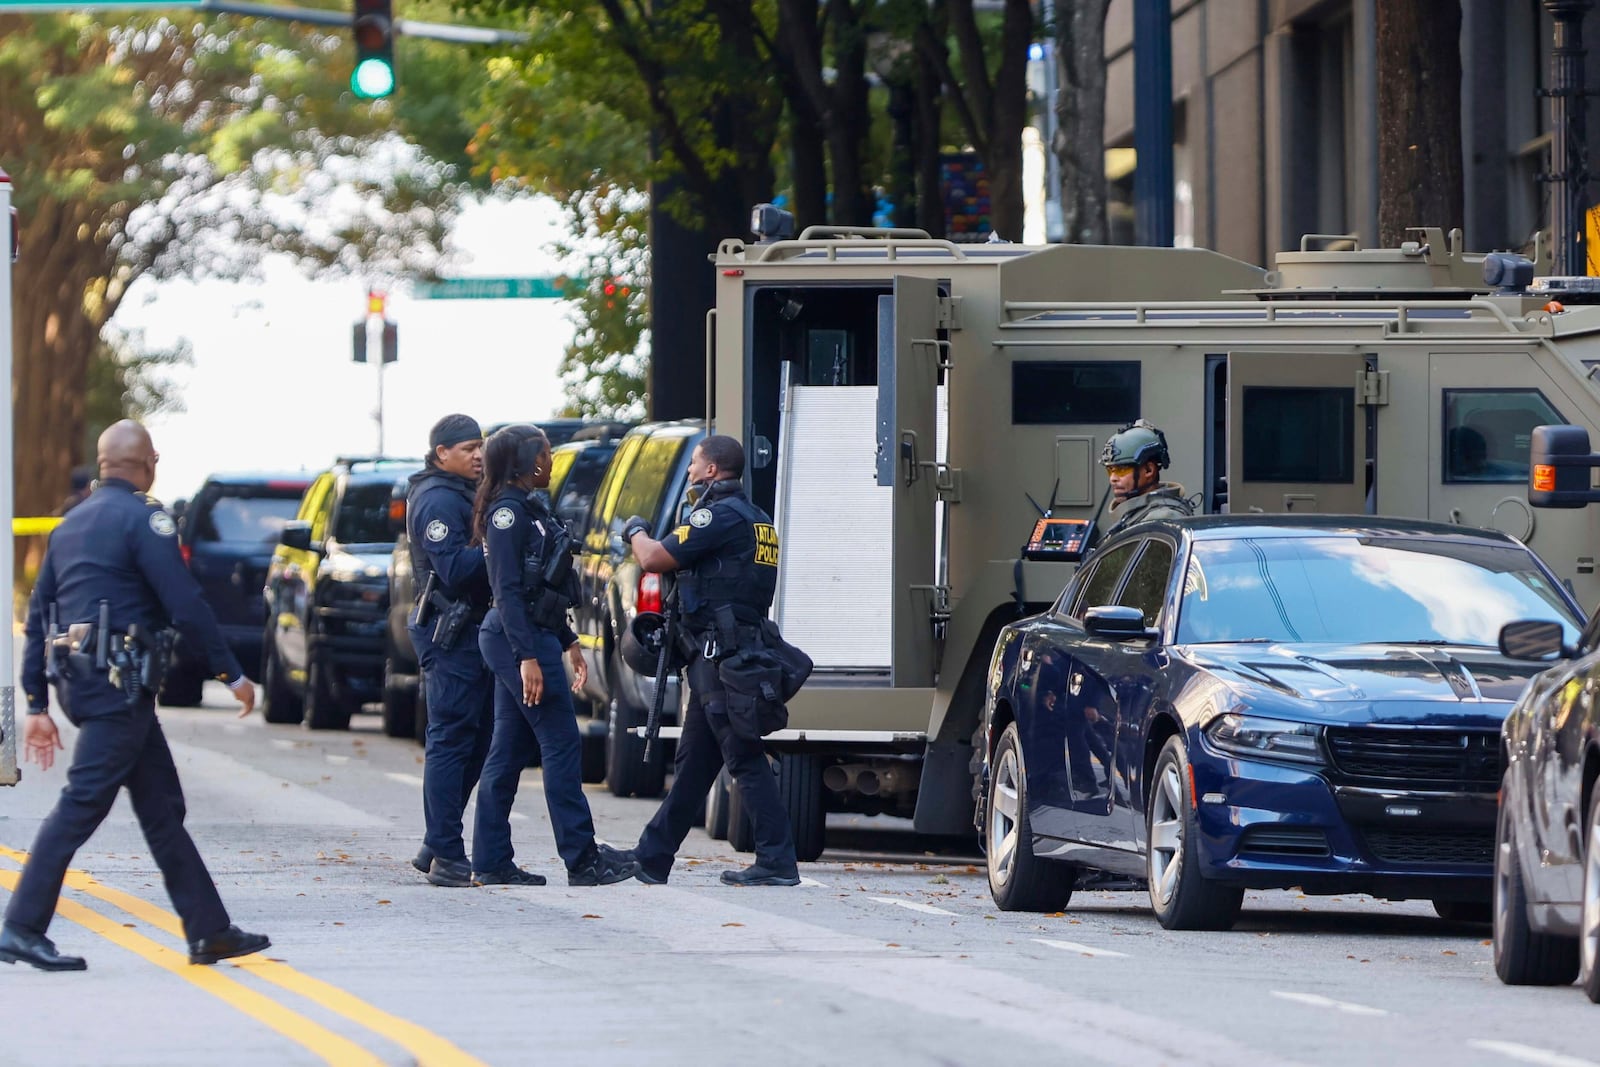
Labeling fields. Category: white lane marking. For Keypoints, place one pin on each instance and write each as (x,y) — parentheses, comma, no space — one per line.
(407,779)
(914,905)
(1325,1002)
(519,815)
(1082,950)
(812,882)
(332,758)
(1529,1054)
(278,742)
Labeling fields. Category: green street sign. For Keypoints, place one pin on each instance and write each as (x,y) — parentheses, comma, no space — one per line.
(10,6)
(490,289)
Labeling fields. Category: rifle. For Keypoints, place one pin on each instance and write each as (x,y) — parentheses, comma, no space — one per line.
(669,636)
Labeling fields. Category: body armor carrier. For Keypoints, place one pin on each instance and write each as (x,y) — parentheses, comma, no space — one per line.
(548,580)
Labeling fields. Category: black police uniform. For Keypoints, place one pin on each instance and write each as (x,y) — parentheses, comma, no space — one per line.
(529,621)
(727,554)
(119,547)
(458,684)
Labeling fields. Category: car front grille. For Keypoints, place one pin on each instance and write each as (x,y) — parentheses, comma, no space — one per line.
(1431,846)
(1297,841)
(1421,758)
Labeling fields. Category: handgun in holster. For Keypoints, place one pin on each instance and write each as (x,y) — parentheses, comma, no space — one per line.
(424,605)
(453,617)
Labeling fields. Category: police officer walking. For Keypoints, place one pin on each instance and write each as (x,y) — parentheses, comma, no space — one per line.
(114,581)
(726,556)
(530,571)
(1134,457)
(452,596)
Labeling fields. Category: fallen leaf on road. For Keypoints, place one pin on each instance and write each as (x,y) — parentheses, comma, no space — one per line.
(385,902)
(733,924)
(338,924)
(591,916)
(938,879)
(893,944)
(130,926)
(1487,941)
(1056,915)
(1448,952)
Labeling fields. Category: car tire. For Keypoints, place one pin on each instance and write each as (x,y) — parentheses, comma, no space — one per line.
(1182,897)
(741,832)
(324,711)
(399,704)
(1589,939)
(1018,880)
(627,773)
(279,702)
(717,807)
(182,689)
(1465,911)
(1522,955)
(800,786)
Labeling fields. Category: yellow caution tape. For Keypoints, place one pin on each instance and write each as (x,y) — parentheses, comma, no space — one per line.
(33,527)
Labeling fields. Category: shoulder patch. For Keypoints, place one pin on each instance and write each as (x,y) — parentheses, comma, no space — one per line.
(162,524)
(437,530)
(503,518)
(700,518)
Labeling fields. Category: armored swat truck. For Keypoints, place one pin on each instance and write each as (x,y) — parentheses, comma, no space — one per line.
(912,407)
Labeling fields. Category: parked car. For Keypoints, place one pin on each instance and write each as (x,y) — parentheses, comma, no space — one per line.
(1249,702)
(576,469)
(1547,847)
(647,477)
(227,531)
(327,596)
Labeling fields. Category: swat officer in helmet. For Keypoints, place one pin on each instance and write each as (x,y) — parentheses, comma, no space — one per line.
(726,558)
(1134,458)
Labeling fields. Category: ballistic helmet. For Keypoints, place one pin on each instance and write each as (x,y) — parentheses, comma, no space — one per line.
(1133,444)
(641,644)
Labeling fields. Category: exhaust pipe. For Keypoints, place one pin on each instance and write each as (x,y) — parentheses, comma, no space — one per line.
(867,783)
(839,777)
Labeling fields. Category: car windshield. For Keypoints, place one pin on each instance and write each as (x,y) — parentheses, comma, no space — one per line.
(247,519)
(363,517)
(1402,590)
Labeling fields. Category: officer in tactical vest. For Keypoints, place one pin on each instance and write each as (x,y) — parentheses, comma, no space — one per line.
(112,583)
(1134,458)
(529,554)
(726,557)
(452,597)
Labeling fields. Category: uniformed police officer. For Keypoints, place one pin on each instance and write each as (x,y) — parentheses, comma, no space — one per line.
(1134,457)
(530,572)
(113,575)
(452,596)
(726,555)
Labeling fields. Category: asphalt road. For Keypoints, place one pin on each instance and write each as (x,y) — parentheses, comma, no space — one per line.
(886,955)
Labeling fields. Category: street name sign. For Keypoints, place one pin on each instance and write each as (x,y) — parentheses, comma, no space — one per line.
(489,289)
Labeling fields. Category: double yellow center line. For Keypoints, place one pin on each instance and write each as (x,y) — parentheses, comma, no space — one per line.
(429,1049)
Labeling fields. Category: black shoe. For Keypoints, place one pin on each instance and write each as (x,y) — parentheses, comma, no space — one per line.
(629,855)
(23,946)
(759,875)
(226,945)
(449,874)
(512,875)
(423,859)
(603,866)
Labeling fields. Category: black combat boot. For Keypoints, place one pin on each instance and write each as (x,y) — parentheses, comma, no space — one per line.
(602,866)
(759,875)
(512,875)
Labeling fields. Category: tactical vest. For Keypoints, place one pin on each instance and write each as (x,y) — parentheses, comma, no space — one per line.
(733,576)
(549,584)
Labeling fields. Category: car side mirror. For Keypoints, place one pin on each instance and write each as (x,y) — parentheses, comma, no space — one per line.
(1117,622)
(1532,639)
(296,534)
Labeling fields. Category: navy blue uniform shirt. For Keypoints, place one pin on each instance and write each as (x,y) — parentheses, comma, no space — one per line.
(121,547)
(439,525)
(726,551)
(519,525)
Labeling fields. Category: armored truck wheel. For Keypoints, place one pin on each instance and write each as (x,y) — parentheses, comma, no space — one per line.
(800,785)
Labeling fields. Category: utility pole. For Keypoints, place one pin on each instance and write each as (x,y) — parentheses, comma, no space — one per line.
(9,773)
(1152,122)
(1569,148)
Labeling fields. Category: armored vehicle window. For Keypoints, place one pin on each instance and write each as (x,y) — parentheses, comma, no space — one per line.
(1146,588)
(1102,581)
(1045,394)
(647,480)
(1298,434)
(1487,433)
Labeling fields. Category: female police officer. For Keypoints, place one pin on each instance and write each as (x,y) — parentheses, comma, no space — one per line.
(530,571)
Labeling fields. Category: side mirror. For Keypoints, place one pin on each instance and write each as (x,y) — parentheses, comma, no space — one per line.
(1559,462)
(1117,622)
(1532,639)
(296,534)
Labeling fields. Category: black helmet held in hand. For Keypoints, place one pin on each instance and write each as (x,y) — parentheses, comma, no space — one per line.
(641,644)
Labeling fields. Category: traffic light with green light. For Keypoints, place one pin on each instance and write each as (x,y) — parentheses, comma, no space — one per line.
(373,23)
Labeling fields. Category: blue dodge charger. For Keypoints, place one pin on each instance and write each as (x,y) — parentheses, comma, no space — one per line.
(1250,702)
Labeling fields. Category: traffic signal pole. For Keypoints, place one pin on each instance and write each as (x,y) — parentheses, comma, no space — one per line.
(10,774)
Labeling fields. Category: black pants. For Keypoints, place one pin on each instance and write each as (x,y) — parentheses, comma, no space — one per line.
(460,723)
(706,744)
(117,746)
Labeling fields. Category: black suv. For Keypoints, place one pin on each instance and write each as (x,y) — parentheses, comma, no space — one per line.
(327,596)
(227,532)
(646,477)
(575,474)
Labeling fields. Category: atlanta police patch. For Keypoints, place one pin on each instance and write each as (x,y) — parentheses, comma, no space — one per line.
(162,524)
(502,518)
(700,518)
(437,530)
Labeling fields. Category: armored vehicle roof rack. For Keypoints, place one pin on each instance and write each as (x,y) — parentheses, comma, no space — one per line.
(1435,268)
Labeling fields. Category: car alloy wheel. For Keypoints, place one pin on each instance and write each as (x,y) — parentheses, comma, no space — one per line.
(1166,834)
(1004,808)
(1182,897)
(1018,879)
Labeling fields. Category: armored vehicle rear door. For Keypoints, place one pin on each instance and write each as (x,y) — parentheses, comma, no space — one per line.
(1297,432)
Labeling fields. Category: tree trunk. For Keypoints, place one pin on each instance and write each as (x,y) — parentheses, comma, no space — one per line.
(849,118)
(1081,119)
(926,146)
(1419,117)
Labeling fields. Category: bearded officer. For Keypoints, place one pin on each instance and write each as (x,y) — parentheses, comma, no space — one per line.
(726,555)
(1134,457)
(452,597)
(113,574)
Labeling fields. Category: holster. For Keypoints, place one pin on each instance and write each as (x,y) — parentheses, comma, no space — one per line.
(453,616)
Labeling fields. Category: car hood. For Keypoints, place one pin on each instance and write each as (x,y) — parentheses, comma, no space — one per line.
(1363,683)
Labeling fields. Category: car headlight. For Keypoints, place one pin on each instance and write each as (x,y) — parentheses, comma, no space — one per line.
(1259,738)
